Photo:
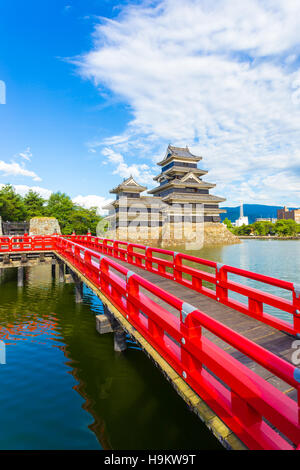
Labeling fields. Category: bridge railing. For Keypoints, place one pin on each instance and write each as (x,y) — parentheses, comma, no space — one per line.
(215,284)
(26,243)
(262,416)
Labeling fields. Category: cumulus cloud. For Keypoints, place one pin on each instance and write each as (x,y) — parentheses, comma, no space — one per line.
(23,189)
(84,201)
(92,201)
(15,169)
(222,77)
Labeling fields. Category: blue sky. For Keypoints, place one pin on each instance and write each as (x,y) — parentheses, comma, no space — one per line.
(95,90)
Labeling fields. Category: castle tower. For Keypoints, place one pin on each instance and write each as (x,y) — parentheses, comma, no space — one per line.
(132,216)
(180,183)
(175,211)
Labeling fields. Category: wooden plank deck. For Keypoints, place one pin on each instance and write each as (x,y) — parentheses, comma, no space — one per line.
(269,338)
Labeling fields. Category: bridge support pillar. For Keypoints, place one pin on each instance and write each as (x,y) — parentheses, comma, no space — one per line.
(53,269)
(106,323)
(78,287)
(78,292)
(120,344)
(61,271)
(20,277)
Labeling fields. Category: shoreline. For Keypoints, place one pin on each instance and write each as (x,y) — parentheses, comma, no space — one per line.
(262,237)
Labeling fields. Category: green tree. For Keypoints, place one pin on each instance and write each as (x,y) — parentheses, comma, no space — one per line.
(228,223)
(71,217)
(60,206)
(262,228)
(243,230)
(34,205)
(11,205)
(286,228)
(82,220)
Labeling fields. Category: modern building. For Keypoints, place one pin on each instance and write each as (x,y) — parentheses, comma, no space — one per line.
(286,214)
(181,198)
(266,219)
(242,220)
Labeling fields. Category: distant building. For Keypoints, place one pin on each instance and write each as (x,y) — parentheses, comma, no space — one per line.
(242,220)
(286,214)
(266,219)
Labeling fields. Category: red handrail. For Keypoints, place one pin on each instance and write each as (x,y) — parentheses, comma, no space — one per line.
(247,403)
(261,415)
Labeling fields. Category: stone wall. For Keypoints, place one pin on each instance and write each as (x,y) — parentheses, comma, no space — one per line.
(44,226)
(218,234)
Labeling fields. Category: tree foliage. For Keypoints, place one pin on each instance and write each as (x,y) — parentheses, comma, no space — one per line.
(34,205)
(70,216)
(281,228)
(11,205)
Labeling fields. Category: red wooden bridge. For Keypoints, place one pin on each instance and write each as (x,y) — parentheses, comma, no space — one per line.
(233,357)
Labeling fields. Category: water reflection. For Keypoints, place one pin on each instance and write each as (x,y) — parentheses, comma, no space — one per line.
(64,387)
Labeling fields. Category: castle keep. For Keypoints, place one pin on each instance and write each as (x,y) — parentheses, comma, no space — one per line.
(181,199)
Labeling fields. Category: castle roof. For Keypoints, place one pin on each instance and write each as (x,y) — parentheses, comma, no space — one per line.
(129,185)
(197,198)
(190,181)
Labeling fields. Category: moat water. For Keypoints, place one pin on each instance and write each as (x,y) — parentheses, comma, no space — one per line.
(63,386)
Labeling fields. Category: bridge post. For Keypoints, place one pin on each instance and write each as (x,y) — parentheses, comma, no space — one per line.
(78,292)
(78,287)
(120,344)
(106,323)
(20,276)
(53,269)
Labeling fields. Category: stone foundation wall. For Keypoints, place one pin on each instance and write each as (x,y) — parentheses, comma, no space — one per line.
(170,235)
(218,234)
(44,226)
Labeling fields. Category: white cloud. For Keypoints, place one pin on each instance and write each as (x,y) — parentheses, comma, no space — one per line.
(84,201)
(140,171)
(26,154)
(219,76)
(15,169)
(92,201)
(22,189)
